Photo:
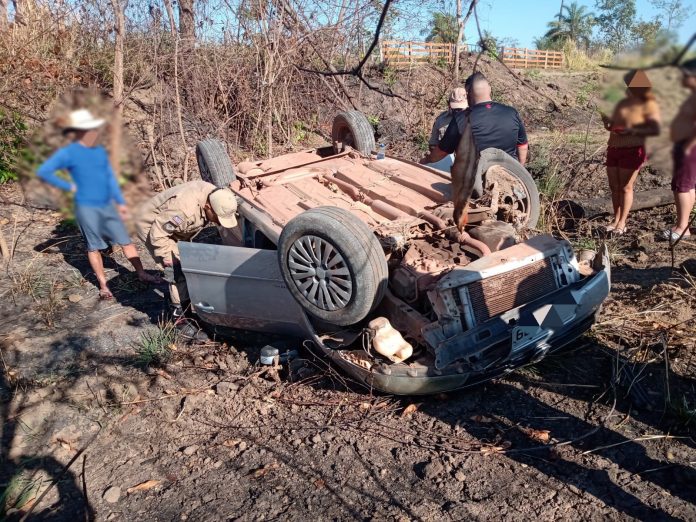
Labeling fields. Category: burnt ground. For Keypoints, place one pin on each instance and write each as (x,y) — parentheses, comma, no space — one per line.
(602,430)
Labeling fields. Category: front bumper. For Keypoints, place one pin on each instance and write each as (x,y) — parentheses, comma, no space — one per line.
(520,336)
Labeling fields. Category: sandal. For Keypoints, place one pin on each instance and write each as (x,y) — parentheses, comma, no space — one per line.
(618,232)
(674,236)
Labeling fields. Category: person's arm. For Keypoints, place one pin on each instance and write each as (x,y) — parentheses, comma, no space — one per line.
(522,151)
(47,171)
(115,190)
(522,144)
(651,127)
(161,234)
(448,143)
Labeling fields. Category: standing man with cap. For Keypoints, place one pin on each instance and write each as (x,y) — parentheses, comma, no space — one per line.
(99,205)
(457,103)
(492,124)
(177,214)
(683,134)
(634,119)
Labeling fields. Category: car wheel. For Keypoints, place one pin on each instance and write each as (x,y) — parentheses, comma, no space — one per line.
(351,128)
(333,265)
(214,163)
(518,199)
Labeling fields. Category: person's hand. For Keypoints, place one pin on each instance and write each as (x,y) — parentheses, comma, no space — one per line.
(123,212)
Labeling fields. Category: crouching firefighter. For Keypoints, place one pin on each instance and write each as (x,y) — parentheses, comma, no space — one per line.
(176,214)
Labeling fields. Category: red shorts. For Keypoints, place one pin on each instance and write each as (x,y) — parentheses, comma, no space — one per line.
(684,178)
(629,158)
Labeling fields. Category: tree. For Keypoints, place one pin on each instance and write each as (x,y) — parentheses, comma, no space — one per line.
(648,35)
(186,20)
(616,19)
(674,12)
(443,28)
(574,23)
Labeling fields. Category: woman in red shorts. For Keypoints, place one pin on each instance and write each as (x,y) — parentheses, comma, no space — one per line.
(635,118)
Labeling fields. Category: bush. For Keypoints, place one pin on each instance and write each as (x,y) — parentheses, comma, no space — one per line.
(12,138)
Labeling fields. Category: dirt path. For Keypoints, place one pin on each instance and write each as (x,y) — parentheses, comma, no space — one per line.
(586,434)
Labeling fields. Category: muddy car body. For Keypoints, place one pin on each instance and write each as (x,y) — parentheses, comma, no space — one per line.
(319,232)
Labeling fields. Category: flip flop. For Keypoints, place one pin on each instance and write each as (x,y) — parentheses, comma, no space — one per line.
(617,232)
(105,295)
(674,236)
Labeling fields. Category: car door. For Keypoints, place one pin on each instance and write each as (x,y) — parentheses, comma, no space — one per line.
(240,287)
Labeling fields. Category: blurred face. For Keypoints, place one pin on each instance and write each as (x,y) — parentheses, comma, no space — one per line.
(689,81)
(88,137)
(210,215)
(639,92)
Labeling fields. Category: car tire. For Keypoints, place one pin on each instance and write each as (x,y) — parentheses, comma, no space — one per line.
(490,157)
(214,163)
(325,238)
(351,128)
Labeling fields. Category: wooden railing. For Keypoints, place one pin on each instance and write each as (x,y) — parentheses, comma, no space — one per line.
(531,58)
(403,53)
(394,52)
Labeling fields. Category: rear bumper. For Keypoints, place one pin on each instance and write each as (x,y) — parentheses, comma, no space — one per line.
(549,323)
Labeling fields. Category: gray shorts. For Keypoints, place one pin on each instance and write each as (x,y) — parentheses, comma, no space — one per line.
(101,225)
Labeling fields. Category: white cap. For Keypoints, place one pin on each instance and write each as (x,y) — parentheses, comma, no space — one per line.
(225,206)
(82,119)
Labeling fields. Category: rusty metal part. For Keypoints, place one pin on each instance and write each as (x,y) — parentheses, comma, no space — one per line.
(403,317)
(497,294)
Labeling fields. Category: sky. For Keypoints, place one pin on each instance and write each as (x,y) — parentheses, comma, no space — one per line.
(525,21)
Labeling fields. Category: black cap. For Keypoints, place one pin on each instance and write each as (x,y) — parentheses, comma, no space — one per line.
(477,76)
(689,67)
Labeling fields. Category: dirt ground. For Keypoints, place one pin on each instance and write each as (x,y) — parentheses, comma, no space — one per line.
(603,429)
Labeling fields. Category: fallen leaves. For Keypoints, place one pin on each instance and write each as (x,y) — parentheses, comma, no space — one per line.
(264,470)
(409,410)
(538,435)
(494,450)
(482,419)
(143,486)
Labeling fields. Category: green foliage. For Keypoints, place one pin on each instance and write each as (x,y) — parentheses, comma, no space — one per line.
(489,43)
(613,94)
(421,140)
(373,119)
(615,19)
(13,132)
(390,76)
(532,74)
(586,92)
(574,24)
(442,28)
(154,348)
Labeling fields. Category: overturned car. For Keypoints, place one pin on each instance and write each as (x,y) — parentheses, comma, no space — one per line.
(359,256)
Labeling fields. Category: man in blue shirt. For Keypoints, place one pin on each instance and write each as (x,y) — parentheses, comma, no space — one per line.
(95,190)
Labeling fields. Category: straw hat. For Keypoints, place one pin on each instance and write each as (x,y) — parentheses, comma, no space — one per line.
(82,119)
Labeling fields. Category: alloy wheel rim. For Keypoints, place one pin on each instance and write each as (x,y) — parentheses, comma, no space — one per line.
(320,273)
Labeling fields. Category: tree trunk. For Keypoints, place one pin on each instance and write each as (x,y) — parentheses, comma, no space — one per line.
(187,24)
(116,122)
(3,15)
(458,43)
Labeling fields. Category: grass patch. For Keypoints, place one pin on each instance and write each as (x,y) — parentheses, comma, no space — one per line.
(18,492)
(155,347)
(684,412)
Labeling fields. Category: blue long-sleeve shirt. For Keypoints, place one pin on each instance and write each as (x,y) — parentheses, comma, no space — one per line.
(89,169)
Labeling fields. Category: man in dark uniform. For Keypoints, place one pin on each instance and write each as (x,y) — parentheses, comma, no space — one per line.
(493,124)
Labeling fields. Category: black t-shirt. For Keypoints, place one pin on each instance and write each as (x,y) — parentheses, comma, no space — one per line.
(493,125)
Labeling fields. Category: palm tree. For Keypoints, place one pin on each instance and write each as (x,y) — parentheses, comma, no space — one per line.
(442,28)
(574,24)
